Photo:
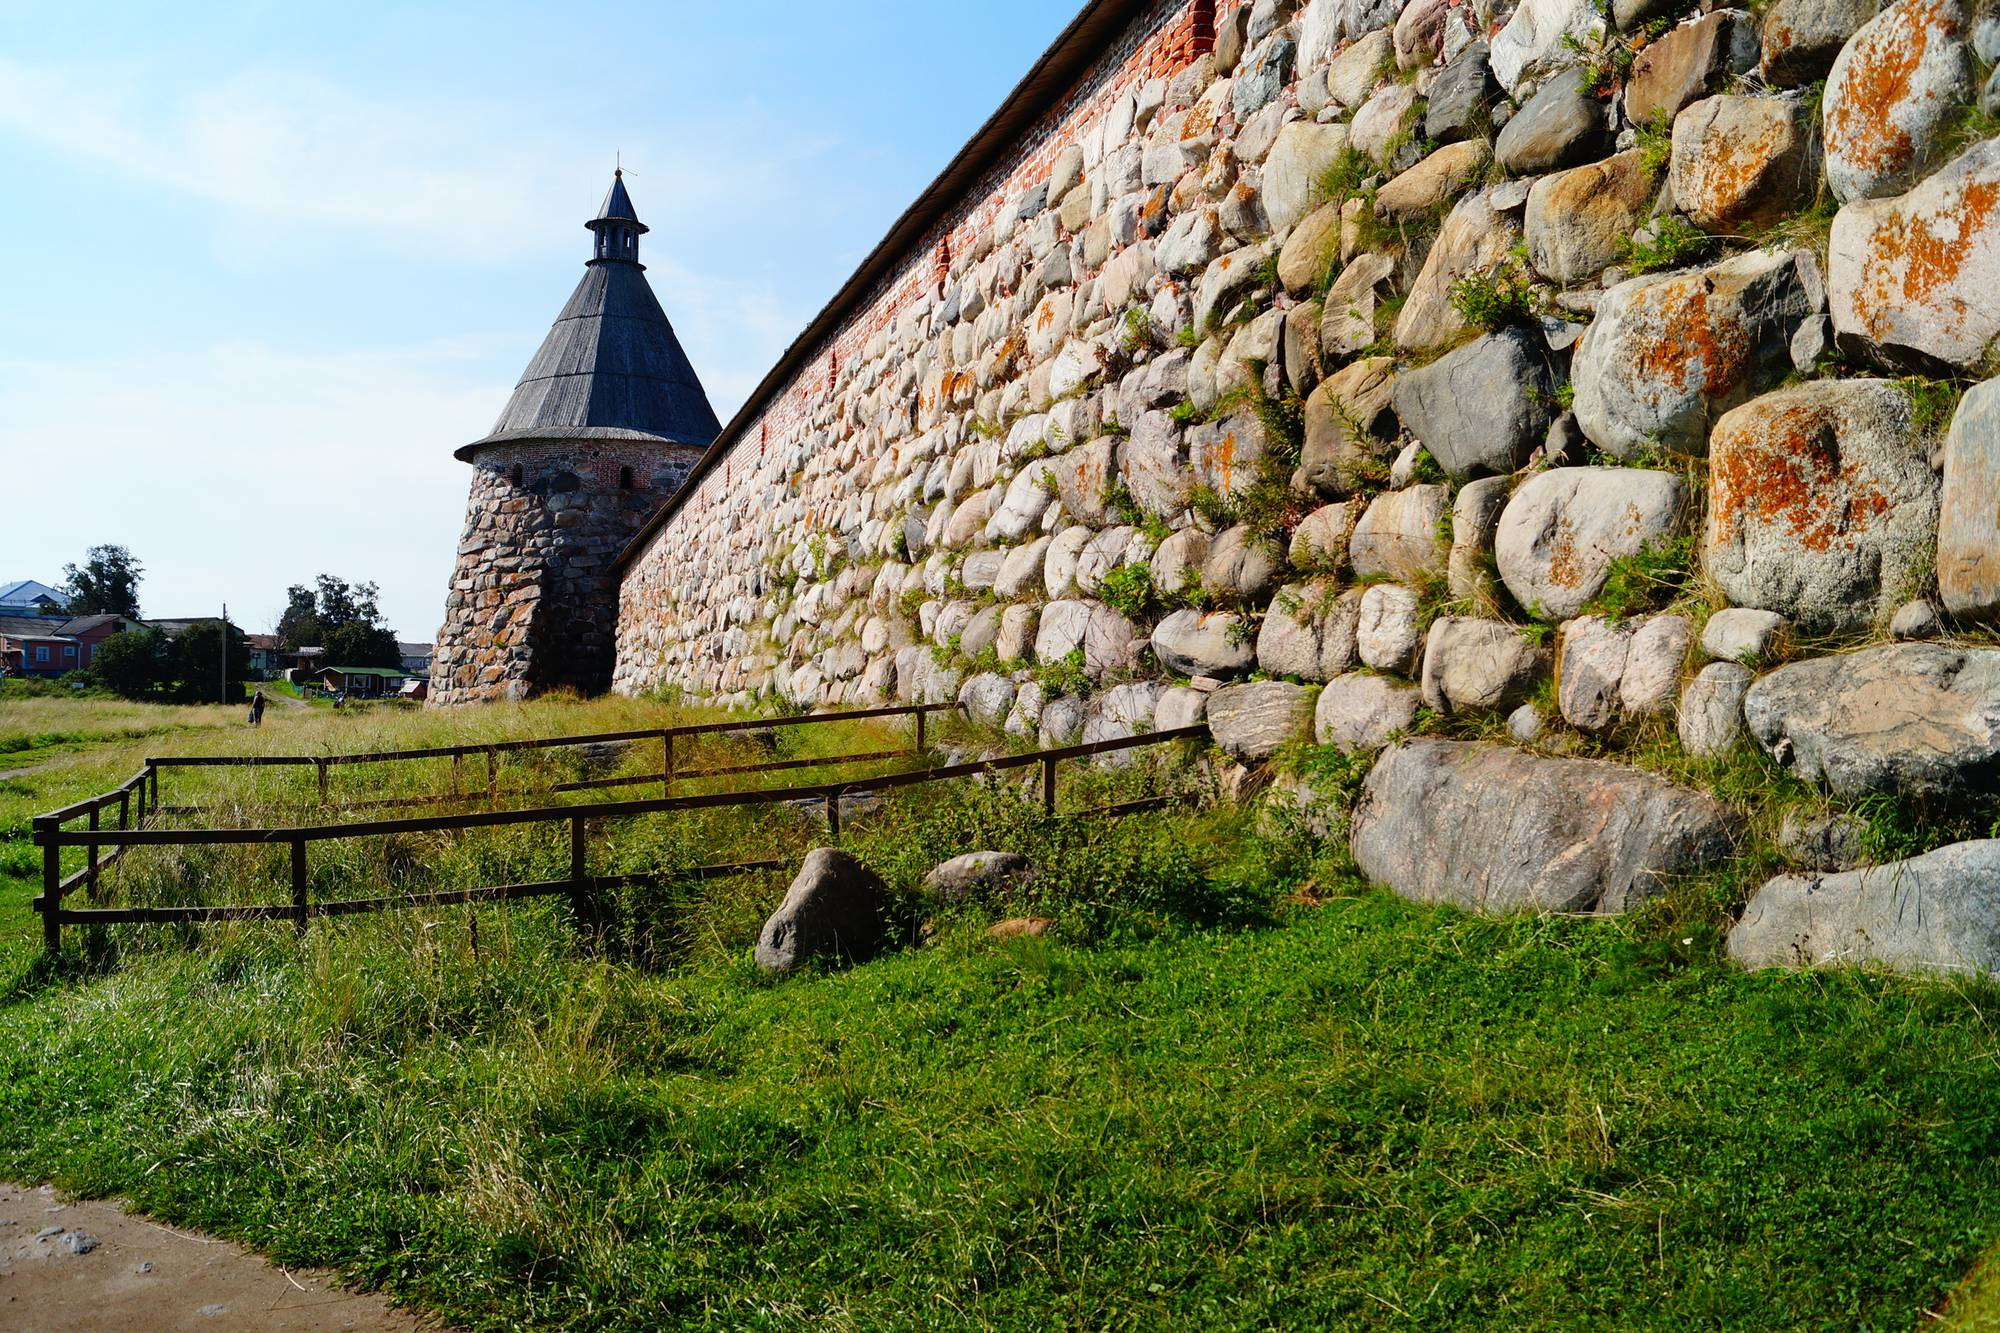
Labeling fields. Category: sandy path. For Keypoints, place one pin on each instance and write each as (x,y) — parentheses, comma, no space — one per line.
(141,1275)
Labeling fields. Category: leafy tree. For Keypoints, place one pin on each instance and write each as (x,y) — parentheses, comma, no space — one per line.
(315,615)
(138,664)
(107,584)
(197,664)
(359,644)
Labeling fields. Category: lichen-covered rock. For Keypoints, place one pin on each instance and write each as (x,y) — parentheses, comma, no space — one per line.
(1309,632)
(1223,454)
(1822,504)
(1381,120)
(1205,643)
(1399,536)
(1252,722)
(1801,38)
(833,909)
(1667,354)
(1178,561)
(1911,279)
(1968,557)
(1491,829)
(1482,408)
(1479,665)
(1913,719)
(1710,719)
(1578,221)
(1562,125)
(1741,163)
(1360,712)
(1685,64)
(1152,464)
(1888,97)
(1081,476)
(1932,913)
(1354,74)
(1563,528)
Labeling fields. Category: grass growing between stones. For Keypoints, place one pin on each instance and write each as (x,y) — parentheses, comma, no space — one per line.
(1201,1103)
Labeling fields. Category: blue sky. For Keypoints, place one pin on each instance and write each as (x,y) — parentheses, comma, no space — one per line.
(265,265)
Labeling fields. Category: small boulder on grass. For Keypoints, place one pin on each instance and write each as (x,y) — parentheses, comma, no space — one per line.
(1030,927)
(836,908)
(977,875)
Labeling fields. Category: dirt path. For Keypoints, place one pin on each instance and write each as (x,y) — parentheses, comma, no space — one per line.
(94,1266)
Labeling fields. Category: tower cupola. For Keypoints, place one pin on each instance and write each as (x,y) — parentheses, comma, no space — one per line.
(617,226)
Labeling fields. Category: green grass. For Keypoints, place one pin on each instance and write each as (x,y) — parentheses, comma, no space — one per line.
(1234,1090)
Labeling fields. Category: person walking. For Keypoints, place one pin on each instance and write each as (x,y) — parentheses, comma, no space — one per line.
(257,709)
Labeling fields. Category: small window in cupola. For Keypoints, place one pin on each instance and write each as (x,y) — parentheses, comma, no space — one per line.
(624,478)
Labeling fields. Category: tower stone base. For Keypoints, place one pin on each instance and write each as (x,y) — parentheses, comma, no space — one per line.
(533,605)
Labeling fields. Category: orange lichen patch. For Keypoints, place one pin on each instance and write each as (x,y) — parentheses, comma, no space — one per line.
(1784,468)
(1727,176)
(1565,570)
(1222,460)
(1913,261)
(1686,339)
(1877,81)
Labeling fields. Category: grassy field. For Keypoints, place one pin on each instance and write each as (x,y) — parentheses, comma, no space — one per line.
(1235,1089)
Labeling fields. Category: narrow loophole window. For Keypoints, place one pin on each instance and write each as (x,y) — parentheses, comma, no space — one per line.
(515,474)
(624,478)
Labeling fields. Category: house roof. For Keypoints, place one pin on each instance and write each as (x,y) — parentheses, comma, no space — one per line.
(414,649)
(85,624)
(384,672)
(268,642)
(1089,34)
(21,592)
(31,627)
(611,367)
(618,204)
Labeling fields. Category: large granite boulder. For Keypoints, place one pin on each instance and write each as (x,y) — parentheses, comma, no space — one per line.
(1482,408)
(1360,712)
(1252,722)
(1400,536)
(1205,643)
(1890,94)
(1968,556)
(1938,912)
(1473,665)
(1305,151)
(1667,354)
(1461,97)
(1801,38)
(1533,37)
(1685,64)
(1822,504)
(977,876)
(1911,279)
(1346,421)
(835,909)
(1710,718)
(1309,631)
(1562,530)
(1912,719)
(1474,240)
(1491,829)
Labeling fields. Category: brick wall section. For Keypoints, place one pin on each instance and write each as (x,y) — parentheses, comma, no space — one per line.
(533,600)
(802,469)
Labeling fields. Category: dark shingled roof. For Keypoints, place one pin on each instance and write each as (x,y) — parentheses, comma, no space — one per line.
(611,368)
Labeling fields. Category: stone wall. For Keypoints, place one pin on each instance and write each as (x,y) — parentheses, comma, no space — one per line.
(534,599)
(1549,374)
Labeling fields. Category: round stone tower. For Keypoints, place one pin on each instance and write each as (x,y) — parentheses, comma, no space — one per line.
(604,425)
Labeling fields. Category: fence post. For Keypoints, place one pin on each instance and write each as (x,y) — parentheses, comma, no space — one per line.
(457,773)
(51,900)
(666,764)
(299,909)
(125,808)
(922,713)
(1049,786)
(320,764)
(153,768)
(492,776)
(833,815)
(92,862)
